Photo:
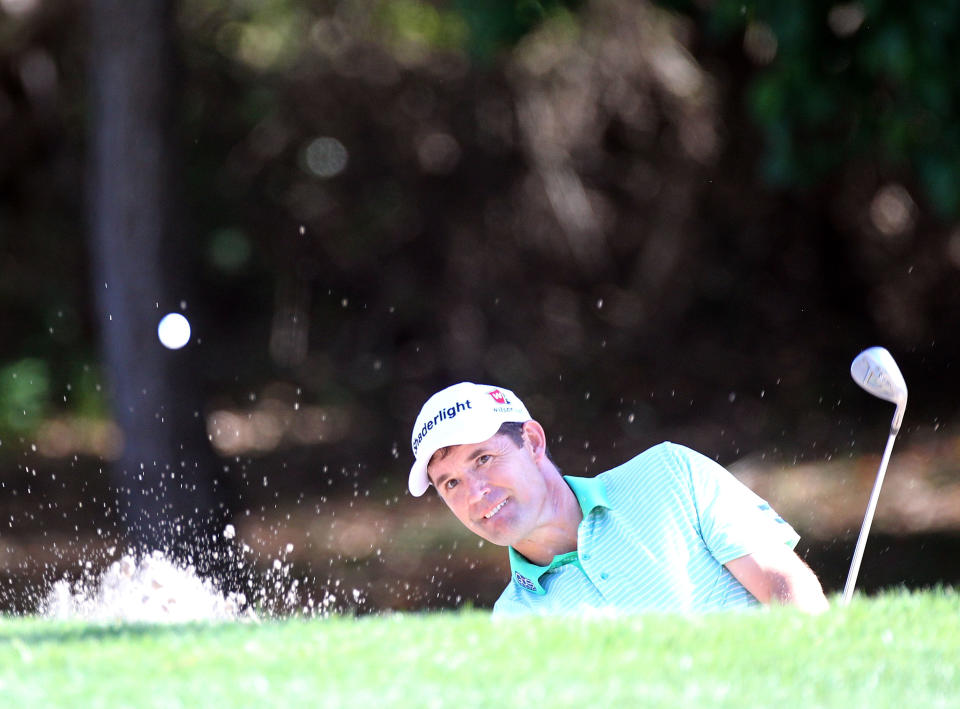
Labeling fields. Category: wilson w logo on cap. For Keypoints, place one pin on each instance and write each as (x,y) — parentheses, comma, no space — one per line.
(499,397)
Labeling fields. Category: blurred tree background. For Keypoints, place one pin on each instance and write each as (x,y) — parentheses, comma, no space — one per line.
(651,220)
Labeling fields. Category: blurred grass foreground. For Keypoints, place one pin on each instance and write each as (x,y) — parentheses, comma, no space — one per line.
(881,652)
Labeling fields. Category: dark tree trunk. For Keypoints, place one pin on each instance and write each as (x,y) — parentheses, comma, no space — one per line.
(164,476)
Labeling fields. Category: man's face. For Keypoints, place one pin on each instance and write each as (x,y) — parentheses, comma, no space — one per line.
(494,488)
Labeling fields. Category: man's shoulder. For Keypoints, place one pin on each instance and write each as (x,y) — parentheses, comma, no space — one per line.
(661,472)
(654,461)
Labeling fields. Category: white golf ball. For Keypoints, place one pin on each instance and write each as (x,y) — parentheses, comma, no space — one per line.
(173,331)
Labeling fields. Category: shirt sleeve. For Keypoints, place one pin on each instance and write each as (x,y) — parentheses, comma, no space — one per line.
(734,521)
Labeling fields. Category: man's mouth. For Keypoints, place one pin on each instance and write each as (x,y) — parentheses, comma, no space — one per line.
(494,511)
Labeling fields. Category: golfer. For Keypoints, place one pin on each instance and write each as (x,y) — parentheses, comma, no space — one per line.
(668,531)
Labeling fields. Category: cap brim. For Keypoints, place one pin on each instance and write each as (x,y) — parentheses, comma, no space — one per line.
(418,482)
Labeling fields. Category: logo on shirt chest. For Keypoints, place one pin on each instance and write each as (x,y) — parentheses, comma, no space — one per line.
(524,581)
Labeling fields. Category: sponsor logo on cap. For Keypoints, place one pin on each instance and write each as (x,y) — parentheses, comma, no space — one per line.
(499,397)
(444,414)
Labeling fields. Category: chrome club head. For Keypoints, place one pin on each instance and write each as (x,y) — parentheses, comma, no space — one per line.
(875,370)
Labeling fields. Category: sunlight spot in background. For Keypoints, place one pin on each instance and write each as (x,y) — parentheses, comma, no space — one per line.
(38,72)
(326,157)
(953,248)
(438,153)
(19,7)
(65,436)
(173,331)
(273,422)
(760,43)
(846,19)
(677,70)
(259,45)
(892,210)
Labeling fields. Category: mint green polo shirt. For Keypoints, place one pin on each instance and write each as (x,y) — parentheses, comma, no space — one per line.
(655,535)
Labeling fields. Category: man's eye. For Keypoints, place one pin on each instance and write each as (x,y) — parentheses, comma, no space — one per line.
(483,459)
(450,484)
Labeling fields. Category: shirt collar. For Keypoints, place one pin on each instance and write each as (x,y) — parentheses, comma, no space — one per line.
(590,493)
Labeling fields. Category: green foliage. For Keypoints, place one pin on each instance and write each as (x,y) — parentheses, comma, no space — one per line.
(423,24)
(263,36)
(851,81)
(85,395)
(272,35)
(24,393)
(33,389)
(894,651)
(229,249)
(497,24)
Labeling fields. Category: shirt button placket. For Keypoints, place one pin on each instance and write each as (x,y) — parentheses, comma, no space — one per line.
(584,559)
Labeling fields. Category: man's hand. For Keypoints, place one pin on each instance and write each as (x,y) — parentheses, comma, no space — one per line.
(777,575)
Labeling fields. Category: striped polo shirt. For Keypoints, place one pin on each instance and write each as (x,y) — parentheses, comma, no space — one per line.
(655,535)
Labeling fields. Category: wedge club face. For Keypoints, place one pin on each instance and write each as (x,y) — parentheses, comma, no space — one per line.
(875,370)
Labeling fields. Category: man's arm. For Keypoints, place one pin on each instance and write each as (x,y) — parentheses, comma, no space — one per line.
(777,575)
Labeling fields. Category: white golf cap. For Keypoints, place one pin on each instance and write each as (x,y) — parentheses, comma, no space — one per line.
(462,413)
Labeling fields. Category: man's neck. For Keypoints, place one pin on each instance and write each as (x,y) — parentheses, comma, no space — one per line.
(558,532)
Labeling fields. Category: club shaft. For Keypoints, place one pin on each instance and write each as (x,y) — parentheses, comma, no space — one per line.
(867,521)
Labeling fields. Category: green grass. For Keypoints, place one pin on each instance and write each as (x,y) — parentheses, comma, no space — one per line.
(897,650)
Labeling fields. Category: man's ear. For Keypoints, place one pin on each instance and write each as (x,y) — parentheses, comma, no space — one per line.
(536,438)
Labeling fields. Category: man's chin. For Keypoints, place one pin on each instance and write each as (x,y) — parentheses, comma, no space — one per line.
(500,529)
(500,540)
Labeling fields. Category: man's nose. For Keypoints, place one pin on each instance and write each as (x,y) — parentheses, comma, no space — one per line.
(479,488)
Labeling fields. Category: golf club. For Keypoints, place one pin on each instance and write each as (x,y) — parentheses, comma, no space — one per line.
(875,370)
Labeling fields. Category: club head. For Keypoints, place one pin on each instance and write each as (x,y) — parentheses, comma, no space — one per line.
(875,370)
